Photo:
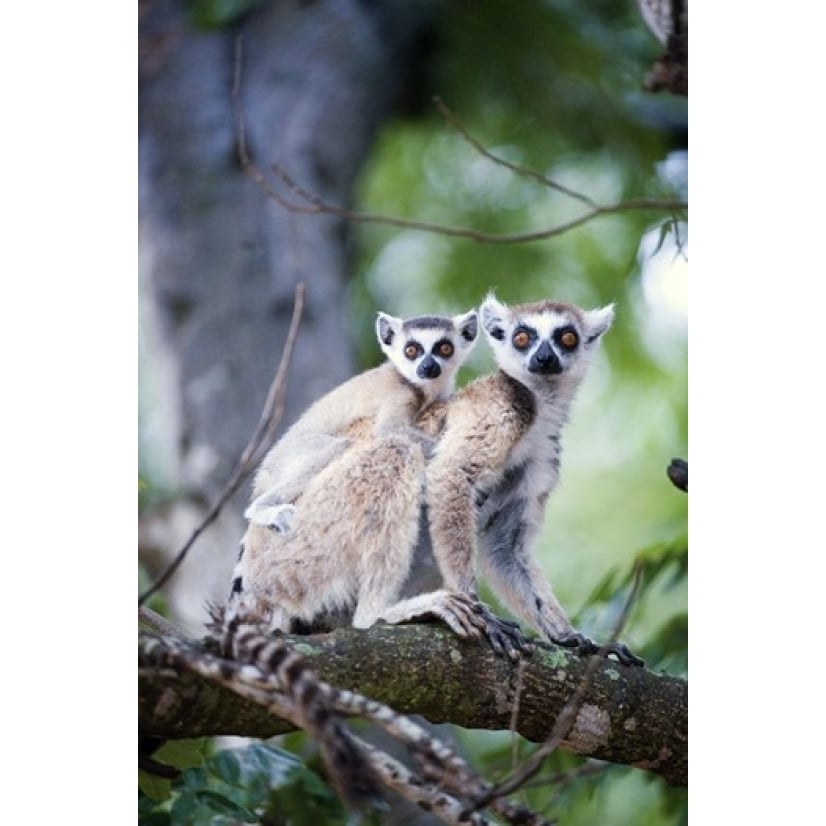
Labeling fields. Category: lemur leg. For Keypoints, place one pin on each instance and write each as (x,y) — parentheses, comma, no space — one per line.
(516,577)
(267,512)
(472,450)
(284,478)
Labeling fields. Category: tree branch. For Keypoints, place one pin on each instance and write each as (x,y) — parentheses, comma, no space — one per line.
(315,205)
(629,715)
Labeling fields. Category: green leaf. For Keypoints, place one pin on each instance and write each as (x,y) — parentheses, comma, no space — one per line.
(154,787)
(182,754)
(220,804)
(225,765)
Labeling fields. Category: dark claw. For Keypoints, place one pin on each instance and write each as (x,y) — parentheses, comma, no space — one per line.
(577,640)
(505,636)
(624,655)
(588,646)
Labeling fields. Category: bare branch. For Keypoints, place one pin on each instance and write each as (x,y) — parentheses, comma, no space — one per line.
(313,204)
(517,168)
(317,205)
(158,623)
(269,420)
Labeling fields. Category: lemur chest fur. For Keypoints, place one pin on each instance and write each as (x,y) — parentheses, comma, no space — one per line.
(531,470)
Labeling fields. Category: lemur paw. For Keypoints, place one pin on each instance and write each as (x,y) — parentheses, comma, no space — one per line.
(276,517)
(505,636)
(457,611)
(587,646)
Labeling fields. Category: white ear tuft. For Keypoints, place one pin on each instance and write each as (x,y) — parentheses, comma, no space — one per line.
(387,327)
(467,326)
(493,315)
(597,322)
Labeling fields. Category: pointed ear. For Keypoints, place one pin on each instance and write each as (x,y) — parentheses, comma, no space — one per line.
(387,328)
(467,326)
(597,322)
(493,315)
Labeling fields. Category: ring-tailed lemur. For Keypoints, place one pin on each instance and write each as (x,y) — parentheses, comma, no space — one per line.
(352,469)
(423,356)
(498,457)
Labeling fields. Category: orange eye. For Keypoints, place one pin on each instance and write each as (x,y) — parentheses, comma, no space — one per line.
(411,351)
(521,339)
(569,339)
(446,349)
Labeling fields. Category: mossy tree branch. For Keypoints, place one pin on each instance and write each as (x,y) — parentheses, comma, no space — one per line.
(629,715)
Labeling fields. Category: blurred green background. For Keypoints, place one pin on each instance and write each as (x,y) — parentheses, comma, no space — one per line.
(557,86)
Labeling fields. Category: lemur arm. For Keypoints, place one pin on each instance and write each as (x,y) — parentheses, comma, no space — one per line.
(516,577)
(474,448)
(287,471)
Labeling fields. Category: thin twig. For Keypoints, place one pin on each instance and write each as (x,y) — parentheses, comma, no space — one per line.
(520,678)
(158,623)
(270,418)
(565,778)
(517,168)
(318,205)
(567,717)
(244,158)
(315,205)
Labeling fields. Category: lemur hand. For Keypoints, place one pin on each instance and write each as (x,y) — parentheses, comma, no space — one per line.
(587,646)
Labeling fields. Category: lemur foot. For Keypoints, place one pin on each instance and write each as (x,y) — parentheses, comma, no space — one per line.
(587,646)
(505,636)
(469,617)
(276,517)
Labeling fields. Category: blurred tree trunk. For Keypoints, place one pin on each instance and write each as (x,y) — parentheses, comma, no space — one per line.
(219,260)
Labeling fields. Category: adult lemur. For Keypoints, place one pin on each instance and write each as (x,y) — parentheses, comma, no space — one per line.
(356,523)
(498,459)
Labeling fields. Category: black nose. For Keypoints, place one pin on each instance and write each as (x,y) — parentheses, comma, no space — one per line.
(544,360)
(428,368)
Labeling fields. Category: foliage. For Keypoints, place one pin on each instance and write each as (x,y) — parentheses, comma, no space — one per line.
(557,86)
(554,85)
(258,783)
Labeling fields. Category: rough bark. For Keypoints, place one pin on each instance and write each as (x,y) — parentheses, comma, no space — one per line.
(629,715)
(219,261)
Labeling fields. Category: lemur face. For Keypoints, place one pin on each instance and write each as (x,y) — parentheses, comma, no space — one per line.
(535,343)
(428,350)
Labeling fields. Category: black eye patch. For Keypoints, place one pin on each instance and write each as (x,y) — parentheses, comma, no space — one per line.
(443,348)
(523,337)
(566,337)
(413,350)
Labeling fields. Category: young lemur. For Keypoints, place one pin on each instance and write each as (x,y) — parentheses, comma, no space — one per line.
(497,461)
(339,495)
(423,355)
